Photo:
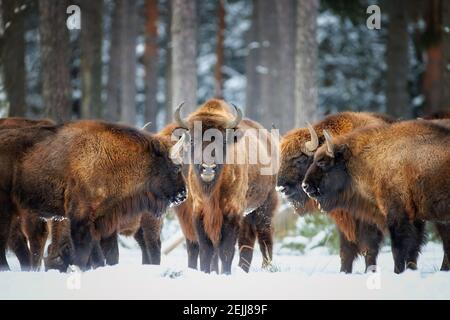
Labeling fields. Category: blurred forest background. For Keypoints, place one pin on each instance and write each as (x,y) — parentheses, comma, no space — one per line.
(281,61)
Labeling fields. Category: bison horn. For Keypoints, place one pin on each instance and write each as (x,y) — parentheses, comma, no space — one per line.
(148,124)
(175,151)
(312,145)
(329,142)
(177,116)
(235,122)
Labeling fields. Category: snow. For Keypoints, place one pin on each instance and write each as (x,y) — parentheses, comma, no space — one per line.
(311,276)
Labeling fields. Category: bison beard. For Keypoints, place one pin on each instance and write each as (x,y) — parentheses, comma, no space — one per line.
(218,204)
(357,235)
(96,174)
(411,188)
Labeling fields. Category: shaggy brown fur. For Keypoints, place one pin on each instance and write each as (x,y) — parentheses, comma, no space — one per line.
(218,207)
(97,174)
(411,186)
(295,160)
(15,142)
(251,228)
(17,241)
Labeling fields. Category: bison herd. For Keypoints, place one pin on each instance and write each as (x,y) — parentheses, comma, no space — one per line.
(84,182)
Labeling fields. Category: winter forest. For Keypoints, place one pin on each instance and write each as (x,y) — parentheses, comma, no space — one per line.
(282,62)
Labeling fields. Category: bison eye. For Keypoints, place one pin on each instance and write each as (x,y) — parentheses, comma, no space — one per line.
(301,160)
(322,163)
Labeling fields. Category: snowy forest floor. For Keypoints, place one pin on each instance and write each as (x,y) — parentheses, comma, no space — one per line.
(311,276)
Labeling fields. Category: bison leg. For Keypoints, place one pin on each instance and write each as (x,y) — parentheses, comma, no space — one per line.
(369,239)
(151,227)
(265,240)
(215,262)
(444,232)
(264,228)
(96,259)
(5,228)
(417,240)
(110,248)
(83,242)
(246,242)
(348,253)
(61,250)
(18,244)
(404,240)
(139,237)
(192,251)
(206,247)
(230,230)
(37,231)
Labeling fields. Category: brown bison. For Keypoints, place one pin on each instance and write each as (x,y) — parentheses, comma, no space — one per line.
(443,228)
(247,232)
(399,173)
(15,143)
(96,174)
(222,192)
(297,149)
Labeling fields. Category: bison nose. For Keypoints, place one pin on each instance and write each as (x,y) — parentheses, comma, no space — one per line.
(309,189)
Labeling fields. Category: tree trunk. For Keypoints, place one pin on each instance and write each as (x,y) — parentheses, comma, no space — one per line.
(253,86)
(122,65)
(218,75)
(168,71)
(91,58)
(398,104)
(268,66)
(56,89)
(445,99)
(151,62)
(184,54)
(306,62)
(286,57)
(13,56)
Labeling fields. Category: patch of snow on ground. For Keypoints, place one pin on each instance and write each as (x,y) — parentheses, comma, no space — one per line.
(311,276)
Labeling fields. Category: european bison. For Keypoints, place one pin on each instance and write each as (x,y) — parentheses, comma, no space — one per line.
(96,174)
(297,149)
(399,173)
(222,192)
(184,213)
(15,143)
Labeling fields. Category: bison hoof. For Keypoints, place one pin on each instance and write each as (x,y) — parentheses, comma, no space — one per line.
(411,265)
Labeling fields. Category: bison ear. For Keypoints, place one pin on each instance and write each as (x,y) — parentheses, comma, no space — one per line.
(343,151)
(157,147)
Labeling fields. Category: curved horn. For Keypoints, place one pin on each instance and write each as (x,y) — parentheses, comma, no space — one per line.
(234,123)
(175,151)
(330,144)
(312,145)
(177,116)
(146,125)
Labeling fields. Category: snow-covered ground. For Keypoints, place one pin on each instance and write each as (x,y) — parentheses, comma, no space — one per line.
(311,276)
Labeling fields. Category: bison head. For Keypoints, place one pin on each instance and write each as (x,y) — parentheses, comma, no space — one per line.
(166,184)
(212,131)
(327,179)
(297,150)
